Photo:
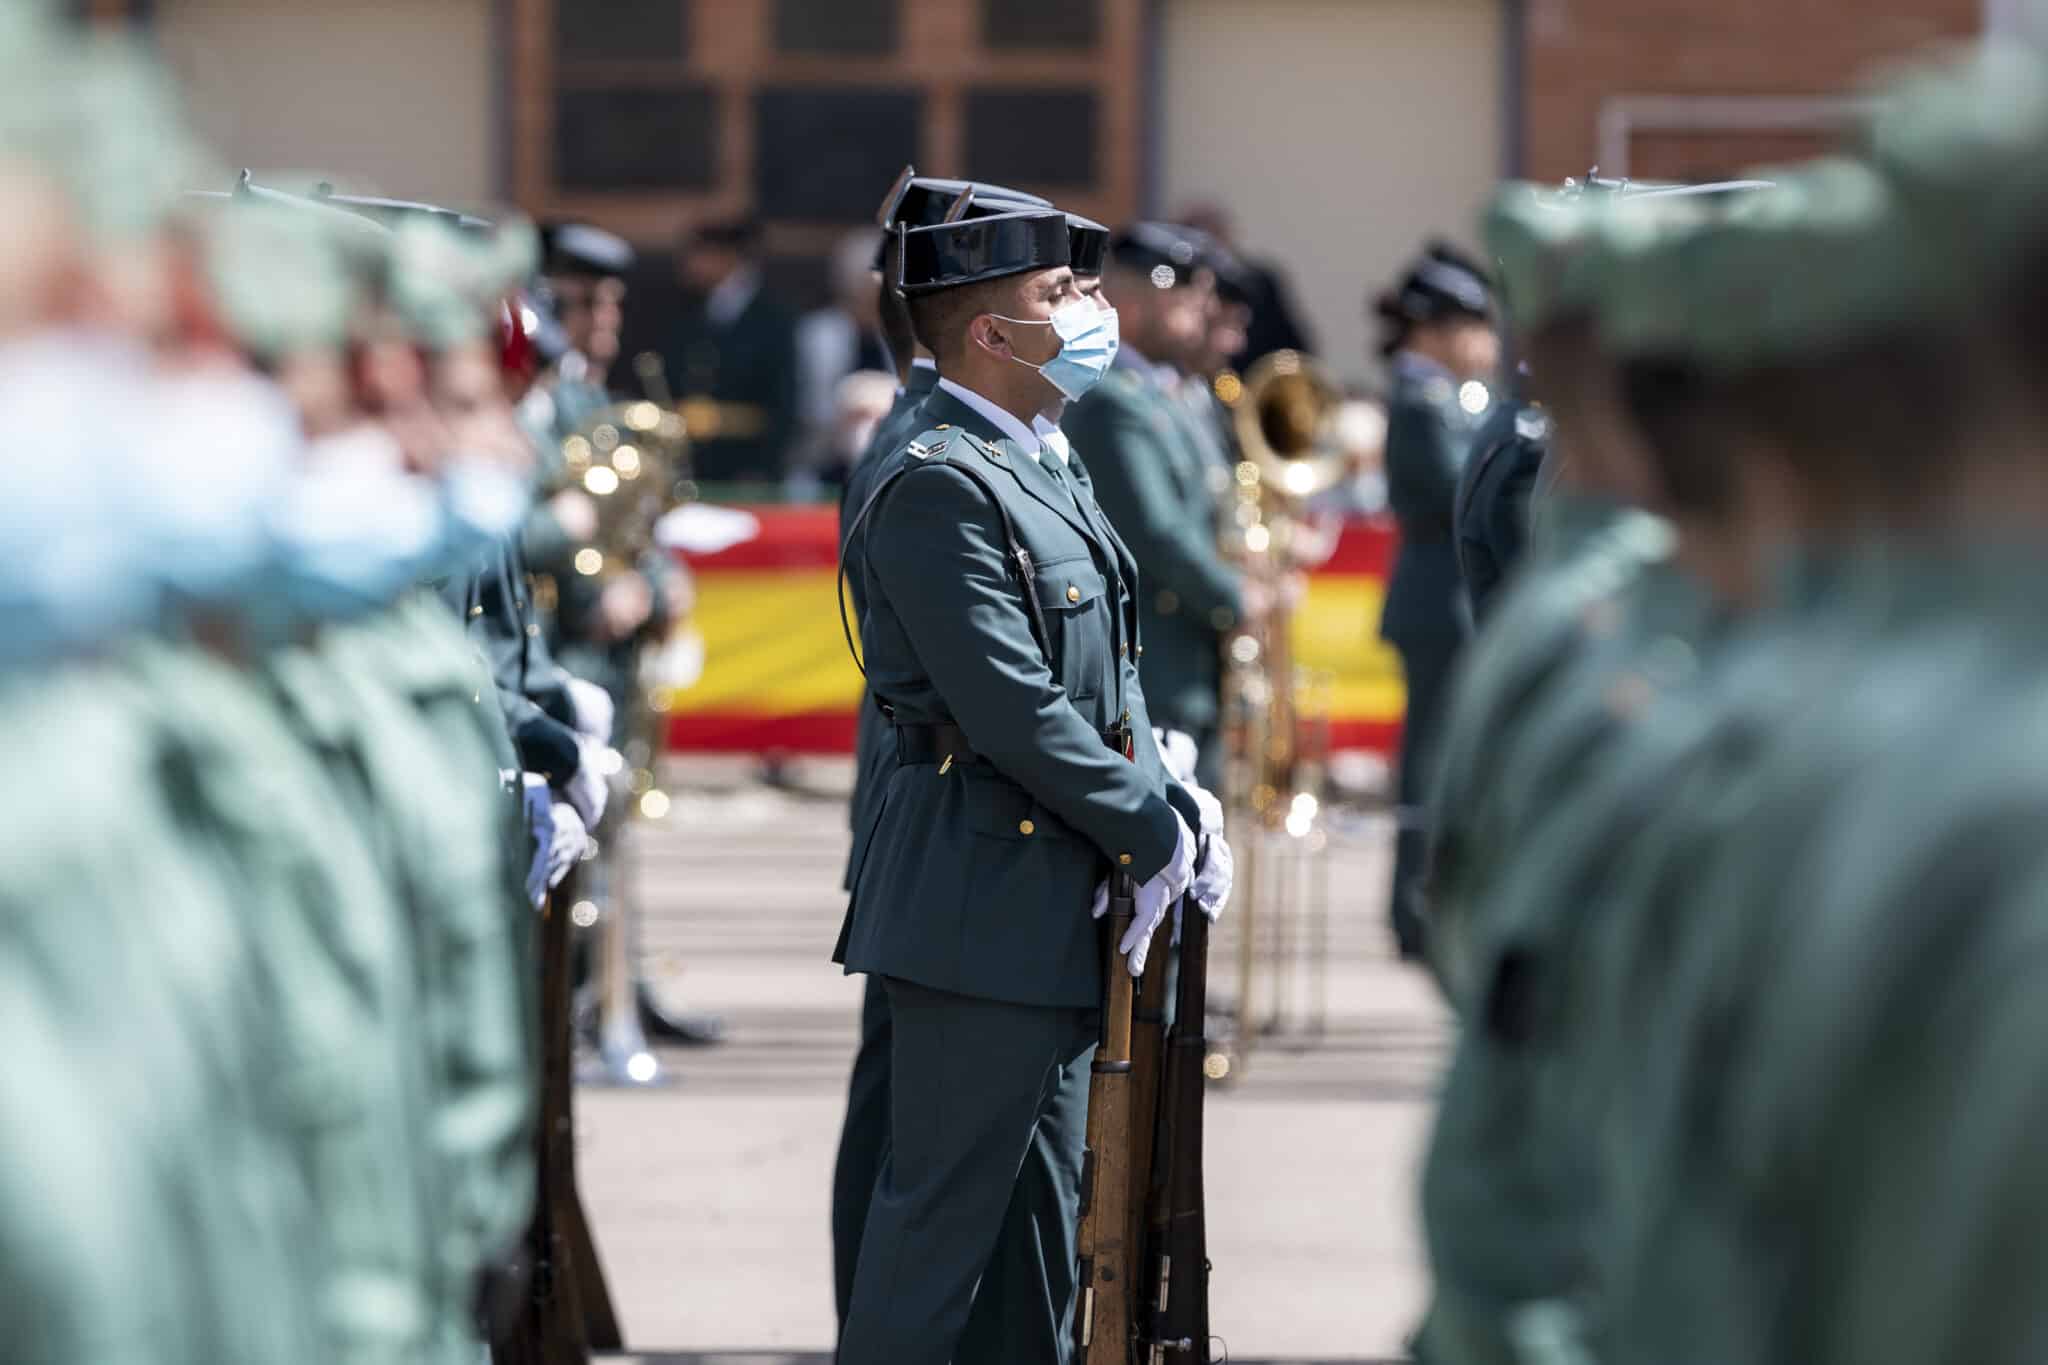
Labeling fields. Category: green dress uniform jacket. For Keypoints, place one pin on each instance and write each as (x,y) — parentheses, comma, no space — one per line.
(1510,1186)
(355,1088)
(874,747)
(864,1133)
(438,816)
(1152,477)
(152,1205)
(1492,519)
(961,875)
(1847,836)
(496,604)
(972,881)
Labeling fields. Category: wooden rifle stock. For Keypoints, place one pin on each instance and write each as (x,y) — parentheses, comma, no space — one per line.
(1102,1319)
(1177,1285)
(1148,1072)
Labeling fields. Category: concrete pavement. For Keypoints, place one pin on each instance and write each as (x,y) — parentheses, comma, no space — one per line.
(710,1197)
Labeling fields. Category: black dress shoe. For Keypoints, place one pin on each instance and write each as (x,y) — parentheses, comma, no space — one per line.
(682,1029)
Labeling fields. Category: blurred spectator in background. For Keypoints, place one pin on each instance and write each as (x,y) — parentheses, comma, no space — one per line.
(833,342)
(858,403)
(731,357)
(1273,325)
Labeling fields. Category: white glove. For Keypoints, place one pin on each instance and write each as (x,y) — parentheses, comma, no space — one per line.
(587,789)
(593,707)
(1155,898)
(1212,885)
(1177,750)
(539,807)
(570,842)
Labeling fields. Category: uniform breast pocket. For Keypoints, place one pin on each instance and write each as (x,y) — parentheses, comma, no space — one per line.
(1075,597)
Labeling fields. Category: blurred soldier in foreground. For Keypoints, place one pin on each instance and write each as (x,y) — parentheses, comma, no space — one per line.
(1439,344)
(309,791)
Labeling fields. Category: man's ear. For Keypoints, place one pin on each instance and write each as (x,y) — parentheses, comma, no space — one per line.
(985,331)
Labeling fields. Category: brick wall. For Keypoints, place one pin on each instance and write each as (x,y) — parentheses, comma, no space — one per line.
(1582,54)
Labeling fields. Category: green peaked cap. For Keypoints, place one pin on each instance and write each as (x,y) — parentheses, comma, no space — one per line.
(1822,261)
(1537,236)
(100,117)
(444,281)
(1963,142)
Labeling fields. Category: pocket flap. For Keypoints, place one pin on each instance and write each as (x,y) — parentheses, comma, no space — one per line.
(1000,809)
(1070,586)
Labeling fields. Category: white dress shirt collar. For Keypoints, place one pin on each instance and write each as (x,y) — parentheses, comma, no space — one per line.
(1013,430)
(1055,440)
(730,296)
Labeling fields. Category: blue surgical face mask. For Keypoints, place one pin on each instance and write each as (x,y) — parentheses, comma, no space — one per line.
(353,531)
(483,503)
(1088,341)
(74,569)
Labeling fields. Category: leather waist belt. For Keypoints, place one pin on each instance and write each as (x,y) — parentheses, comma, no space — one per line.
(932,744)
(917,744)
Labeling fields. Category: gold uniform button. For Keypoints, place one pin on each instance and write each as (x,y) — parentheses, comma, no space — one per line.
(476,611)
(1124,859)
(1141,651)
(533,630)
(943,426)
(1073,593)
(1026,827)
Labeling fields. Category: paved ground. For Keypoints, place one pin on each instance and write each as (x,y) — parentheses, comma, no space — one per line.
(710,1197)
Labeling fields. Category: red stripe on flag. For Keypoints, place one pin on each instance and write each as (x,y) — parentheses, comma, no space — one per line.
(725,732)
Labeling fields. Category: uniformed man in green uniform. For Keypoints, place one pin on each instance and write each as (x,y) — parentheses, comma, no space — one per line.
(1632,825)
(914,201)
(1850,1037)
(991,834)
(1440,348)
(1151,462)
(146,1184)
(1591,633)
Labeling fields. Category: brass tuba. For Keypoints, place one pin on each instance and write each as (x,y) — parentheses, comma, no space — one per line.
(1286,414)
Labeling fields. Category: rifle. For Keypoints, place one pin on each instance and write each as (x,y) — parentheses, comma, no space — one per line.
(1148,1069)
(1102,1326)
(1178,1276)
(568,1303)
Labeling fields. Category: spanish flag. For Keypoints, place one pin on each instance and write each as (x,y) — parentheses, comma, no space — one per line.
(777,677)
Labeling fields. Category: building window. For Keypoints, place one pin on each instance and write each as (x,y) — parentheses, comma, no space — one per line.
(636,138)
(820,152)
(1065,24)
(622,30)
(840,28)
(1032,137)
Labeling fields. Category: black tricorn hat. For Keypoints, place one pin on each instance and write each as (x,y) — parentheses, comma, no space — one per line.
(971,250)
(1165,252)
(922,201)
(1089,244)
(569,248)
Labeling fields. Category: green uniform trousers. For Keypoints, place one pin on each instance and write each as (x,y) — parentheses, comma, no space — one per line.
(863,1139)
(968,1255)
